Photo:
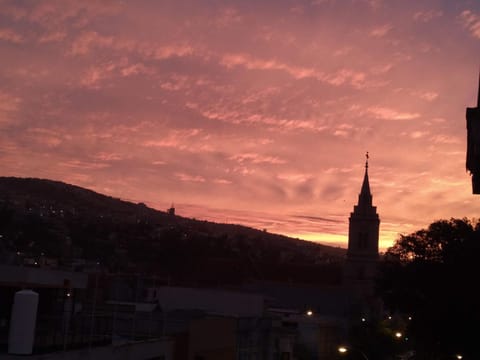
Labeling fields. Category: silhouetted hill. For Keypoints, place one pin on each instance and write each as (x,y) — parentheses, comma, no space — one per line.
(51,219)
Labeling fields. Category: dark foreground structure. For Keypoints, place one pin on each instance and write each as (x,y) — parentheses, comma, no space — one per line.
(473,144)
(87,312)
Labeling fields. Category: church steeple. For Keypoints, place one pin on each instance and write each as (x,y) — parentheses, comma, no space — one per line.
(363,236)
(364,206)
(365,197)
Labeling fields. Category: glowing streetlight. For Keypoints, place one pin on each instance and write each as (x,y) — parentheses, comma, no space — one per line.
(309,312)
(458,356)
(398,335)
(344,350)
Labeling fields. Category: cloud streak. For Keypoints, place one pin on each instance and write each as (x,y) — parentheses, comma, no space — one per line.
(471,21)
(263,111)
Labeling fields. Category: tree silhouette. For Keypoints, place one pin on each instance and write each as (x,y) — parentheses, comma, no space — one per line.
(430,275)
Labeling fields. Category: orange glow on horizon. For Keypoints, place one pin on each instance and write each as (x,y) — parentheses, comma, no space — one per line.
(247,112)
(327,239)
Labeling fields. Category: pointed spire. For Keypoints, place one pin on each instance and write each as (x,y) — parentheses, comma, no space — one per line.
(366,185)
(365,197)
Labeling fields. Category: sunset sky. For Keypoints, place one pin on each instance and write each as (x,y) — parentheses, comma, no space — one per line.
(256,112)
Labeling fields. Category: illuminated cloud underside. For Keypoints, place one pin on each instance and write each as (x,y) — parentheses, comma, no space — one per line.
(247,112)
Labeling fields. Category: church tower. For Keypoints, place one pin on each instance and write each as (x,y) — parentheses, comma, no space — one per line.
(473,143)
(362,255)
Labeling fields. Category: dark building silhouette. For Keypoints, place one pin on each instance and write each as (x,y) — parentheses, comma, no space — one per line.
(362,255)
(473,144)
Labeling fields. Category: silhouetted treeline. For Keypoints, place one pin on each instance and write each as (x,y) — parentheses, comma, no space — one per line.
(430,276)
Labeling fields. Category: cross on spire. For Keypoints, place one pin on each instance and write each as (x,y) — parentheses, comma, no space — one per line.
(366,160)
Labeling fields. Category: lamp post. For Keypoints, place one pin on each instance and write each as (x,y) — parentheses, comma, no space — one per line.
(345,349)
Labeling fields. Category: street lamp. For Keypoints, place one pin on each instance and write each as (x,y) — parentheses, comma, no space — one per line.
(345,349)
(458,356)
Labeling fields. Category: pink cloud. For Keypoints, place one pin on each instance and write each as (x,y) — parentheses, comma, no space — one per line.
(340,77)
(343,51)
(11,36)
(13,11)
(243,170)
(165,52)
(190,178)
(295,177)
(337,170)
(155,100)
(84,43)
(228,17)
(446,139)
(9,105)
(50,37)
(275,124)
(175,82)
(79,14)
(391,114)
(222,181)
(48,137)
(427,95)
(95,74)
(257,159)
(345,130)
(355,78)
(8,102)
(297,10)
(135,69)
(381,69)
(427,16)
(418,134)
(159,162)
(185,140)
(79,164)
(472,22)
(381,31)
(232,60)
(104,156)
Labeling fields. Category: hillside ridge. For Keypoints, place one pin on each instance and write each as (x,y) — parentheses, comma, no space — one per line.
(42,216)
